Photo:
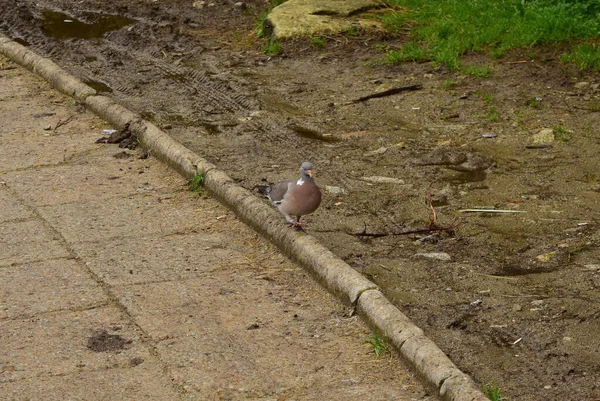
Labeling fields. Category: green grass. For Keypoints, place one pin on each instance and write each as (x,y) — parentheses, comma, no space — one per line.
(272,48)
(475,71)
(197,182)
(378,344)
(584,56)
(492,391)
(450,83)
(317,42)
(444,30)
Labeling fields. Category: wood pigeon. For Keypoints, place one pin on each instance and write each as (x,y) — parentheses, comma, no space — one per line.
(295,197)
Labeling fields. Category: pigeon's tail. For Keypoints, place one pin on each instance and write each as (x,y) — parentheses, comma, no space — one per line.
(263,190)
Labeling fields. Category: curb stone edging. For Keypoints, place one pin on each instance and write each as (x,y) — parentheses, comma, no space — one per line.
(426,357)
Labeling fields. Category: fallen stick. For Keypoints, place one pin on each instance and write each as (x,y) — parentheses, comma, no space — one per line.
(491,211)
(388,92)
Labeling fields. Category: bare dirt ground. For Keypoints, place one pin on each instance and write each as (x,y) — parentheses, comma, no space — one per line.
(517,302)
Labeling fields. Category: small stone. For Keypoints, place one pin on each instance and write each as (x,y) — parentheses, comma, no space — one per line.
(335,190)
(537,302)
(383,180)
(198,4)
(240,6)
(582,85)
(253,326)
(546,257)
(443,256)
(47,128)
(375,152)
(592,267)
(546,135)
(517,308)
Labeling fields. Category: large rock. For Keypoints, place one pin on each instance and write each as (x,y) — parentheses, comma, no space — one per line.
(296,18)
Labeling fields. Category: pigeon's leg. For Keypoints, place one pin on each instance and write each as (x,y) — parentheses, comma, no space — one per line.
(297,223)
(290,219)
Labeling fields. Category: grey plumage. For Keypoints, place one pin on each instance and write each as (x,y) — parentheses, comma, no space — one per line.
(295,197)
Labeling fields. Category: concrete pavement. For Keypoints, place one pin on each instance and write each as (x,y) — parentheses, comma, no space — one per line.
(116,282)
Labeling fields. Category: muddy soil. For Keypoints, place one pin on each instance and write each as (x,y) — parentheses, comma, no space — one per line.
(511,297)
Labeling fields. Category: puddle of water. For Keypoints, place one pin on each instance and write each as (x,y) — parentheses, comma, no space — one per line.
(99,86)
(62,26)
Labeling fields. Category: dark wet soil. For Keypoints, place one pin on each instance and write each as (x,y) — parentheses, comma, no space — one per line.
(101,341)
(511,297)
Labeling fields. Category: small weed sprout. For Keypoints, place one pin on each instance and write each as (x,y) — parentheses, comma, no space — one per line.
(197,181)
(594,105)
(492,114)
(449,83)
(535,102)
(560,133)
(492,391)
(378,344)
(487,96)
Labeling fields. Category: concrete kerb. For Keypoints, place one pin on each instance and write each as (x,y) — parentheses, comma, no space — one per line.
(428,359)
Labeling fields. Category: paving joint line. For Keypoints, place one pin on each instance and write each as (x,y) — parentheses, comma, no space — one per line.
(52,312)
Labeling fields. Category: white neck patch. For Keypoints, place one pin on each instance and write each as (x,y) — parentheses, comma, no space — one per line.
(300,182)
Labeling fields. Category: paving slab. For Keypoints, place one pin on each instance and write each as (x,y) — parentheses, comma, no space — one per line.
(123,261)
(57,343)
(145,381)
(29,241)
(11,208)
(99,176)
(51,285)
(100,220)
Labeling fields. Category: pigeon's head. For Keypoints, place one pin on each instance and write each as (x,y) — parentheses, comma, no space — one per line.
(306,169)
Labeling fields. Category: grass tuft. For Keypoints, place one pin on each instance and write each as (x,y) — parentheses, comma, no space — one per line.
(378,344)
(492,114)
(584,56)
(492,391)
(197,182)
(560,133)
(272,48)
(317,42)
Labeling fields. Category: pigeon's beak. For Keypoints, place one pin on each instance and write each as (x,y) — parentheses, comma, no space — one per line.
(309,172)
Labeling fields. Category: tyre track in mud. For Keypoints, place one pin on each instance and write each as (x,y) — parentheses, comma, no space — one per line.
(134,49)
